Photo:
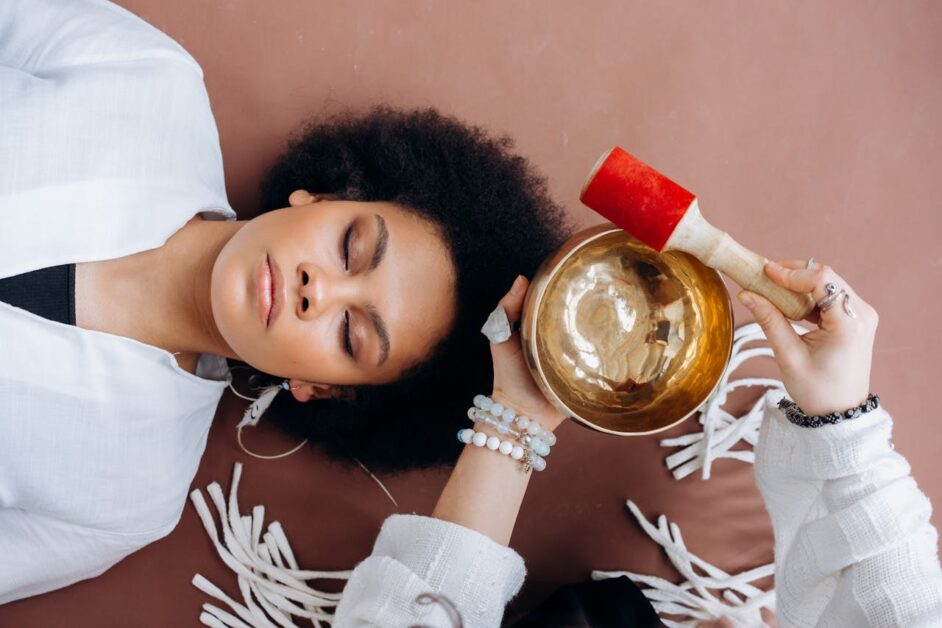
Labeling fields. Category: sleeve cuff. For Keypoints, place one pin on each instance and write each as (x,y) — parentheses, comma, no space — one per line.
(452,558)
(822,453)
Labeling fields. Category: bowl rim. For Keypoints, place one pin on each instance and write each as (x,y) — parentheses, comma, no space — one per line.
(534,362)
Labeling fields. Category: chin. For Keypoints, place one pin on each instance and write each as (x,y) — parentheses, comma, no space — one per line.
(231,311)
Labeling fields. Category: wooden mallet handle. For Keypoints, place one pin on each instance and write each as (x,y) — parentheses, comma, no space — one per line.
(717,249)
(665,216)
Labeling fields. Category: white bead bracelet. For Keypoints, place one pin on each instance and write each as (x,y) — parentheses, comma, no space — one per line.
(506,447)
(506,421)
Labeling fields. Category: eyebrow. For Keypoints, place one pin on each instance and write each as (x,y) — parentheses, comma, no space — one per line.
(382,240)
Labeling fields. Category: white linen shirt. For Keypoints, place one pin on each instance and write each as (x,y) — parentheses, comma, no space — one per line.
(107,148)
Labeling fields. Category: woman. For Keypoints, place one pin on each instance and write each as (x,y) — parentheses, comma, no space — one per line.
(125,282)
(853,541)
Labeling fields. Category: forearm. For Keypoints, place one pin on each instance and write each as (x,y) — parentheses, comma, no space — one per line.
(853,541)
(484,493)
(467,534)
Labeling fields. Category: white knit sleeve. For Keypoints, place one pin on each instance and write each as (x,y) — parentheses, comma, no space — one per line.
(853,541)
(416,555)
(45,36)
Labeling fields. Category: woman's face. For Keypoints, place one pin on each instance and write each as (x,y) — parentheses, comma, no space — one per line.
(334,292)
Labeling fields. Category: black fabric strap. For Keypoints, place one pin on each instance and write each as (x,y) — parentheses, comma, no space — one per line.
(47,292)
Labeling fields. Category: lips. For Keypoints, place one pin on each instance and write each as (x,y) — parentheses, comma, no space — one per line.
(277,290)
(269,287)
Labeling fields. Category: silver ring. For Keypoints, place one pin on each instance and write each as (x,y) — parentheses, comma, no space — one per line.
(847,308)
(833,294)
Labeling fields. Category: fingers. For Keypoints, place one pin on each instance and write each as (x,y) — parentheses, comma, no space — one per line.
(794,275)
(785,341)
(512,302)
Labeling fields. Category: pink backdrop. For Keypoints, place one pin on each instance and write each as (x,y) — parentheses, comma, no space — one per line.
(806,128)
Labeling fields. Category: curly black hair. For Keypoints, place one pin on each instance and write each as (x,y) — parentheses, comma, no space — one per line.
(497,220)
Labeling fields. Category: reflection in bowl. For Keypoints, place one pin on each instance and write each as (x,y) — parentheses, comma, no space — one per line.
(622,338)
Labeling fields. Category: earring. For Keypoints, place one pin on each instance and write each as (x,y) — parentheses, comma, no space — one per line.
(254,413)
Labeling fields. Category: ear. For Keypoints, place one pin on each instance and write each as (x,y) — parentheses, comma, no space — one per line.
(303,197)
(305,391)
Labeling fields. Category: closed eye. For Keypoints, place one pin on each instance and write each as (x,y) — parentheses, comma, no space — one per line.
(347,344)
(346,247)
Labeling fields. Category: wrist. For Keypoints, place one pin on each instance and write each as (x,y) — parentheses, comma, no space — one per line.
(503,430)
(831,405)
(543,413)
(803,418)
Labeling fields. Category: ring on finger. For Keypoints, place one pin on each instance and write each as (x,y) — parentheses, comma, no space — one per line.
(847,308)
(832,294)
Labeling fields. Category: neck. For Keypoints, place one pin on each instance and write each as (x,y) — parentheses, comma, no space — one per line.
(181,275)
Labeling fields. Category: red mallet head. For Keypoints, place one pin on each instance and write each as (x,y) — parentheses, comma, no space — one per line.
(663,215)
(636,197)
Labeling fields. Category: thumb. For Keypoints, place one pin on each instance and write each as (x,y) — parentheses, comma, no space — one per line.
(513,306)
(786,343)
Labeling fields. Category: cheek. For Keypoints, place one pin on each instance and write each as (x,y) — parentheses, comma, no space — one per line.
(302,350)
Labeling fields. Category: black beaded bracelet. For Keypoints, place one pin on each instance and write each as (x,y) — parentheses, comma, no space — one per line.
(796,416)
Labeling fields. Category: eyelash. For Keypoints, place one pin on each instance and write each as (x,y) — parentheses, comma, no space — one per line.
(347,345)
(345,338)
(346,247)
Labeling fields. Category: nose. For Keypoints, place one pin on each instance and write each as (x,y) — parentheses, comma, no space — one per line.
(318,291)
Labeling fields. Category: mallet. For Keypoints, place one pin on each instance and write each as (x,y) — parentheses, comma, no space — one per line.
(665,216)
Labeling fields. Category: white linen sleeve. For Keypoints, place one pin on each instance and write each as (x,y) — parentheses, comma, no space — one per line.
(45,36)
(39,553)
(853,541)
(416,555)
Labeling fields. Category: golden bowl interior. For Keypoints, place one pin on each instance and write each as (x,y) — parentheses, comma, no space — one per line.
(622,338)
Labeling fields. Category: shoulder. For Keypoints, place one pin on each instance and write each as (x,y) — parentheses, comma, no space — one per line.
(46,37)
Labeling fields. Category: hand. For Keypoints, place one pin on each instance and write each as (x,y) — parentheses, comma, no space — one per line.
(514,386)
(828,369)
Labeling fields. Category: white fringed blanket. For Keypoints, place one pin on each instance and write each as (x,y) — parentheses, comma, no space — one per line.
(274,588)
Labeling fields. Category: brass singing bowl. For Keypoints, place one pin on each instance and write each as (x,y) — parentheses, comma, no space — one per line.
(623,339)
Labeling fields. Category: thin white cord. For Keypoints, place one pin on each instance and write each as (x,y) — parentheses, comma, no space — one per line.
(262,456)
(232,387)
(381,485)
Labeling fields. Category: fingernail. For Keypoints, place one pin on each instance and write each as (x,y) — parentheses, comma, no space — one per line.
(518,283)
(746,299)
(776,266)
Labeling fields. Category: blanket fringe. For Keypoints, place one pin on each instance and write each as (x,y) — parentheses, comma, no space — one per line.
(721,430)
(274,588)
(272,585)
(692,601)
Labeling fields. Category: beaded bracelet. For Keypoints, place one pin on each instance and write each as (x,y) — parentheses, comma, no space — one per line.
(536,441)
(798,417)
(530,459)
(507,421)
